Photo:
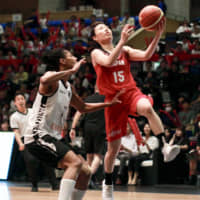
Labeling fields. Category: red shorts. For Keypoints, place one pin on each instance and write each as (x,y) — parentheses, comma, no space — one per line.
(116,116)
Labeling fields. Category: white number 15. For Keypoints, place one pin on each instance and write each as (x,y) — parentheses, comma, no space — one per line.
(119,76)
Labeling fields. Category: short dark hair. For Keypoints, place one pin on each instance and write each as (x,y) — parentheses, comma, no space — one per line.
(19,93)
(52,58)
(182,129)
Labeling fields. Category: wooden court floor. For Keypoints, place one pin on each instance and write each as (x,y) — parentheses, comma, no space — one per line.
(12,192)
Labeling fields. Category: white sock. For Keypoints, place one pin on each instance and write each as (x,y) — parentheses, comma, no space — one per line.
(78,194)
(66,189)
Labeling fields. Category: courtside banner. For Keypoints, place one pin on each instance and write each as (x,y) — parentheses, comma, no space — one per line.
(6,147)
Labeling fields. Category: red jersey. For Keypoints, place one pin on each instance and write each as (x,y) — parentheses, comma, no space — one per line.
(112,79)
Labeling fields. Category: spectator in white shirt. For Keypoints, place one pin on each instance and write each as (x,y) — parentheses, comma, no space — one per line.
(196,32)
(184,28)
(128,150)
(149,144)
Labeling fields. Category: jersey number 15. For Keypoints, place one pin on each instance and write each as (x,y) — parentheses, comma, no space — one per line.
(119,76)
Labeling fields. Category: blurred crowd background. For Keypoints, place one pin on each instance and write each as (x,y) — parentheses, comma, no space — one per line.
(171,76)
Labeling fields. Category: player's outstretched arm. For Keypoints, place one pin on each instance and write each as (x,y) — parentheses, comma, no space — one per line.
(83,107)
(140,55)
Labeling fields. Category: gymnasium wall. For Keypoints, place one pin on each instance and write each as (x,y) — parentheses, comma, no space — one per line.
(183,9)
(118,7)
(178,9)
(18,6)
(52,5)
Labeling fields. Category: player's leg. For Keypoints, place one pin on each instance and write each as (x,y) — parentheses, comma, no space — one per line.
(145,108)
(57,154)
(82,181)
(109,160)
(72,165)
(116,121)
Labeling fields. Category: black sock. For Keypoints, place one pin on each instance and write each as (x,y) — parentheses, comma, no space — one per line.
(108,178)
(159,136)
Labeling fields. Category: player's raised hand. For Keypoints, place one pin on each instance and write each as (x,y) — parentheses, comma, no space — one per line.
(126,31)
(161,26)
(78,64)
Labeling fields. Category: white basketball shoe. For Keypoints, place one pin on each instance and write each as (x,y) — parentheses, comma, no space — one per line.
(107,191)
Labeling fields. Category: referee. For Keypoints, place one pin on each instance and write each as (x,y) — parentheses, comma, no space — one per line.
(18,122)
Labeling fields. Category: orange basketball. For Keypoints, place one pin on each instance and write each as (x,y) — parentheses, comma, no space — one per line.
(150,16)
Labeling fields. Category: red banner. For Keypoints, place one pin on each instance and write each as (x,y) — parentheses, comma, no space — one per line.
(135,130)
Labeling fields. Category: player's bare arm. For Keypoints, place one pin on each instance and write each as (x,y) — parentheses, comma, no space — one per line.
(83,107)
(140,55)
(49,81)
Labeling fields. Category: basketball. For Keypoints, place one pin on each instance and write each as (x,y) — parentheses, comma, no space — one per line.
(150,16)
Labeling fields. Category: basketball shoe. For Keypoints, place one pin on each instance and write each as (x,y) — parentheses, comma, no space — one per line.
(107,191)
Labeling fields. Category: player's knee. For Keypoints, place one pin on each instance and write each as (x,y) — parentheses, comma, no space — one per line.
(147,110)
(87,170)
(112,153)
(78,163)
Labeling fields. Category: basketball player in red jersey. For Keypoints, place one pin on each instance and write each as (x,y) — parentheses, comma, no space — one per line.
(112,66)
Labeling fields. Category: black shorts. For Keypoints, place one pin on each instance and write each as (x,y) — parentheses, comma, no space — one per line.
(48,150)
(94,141)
